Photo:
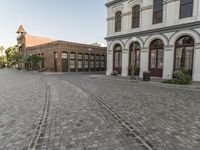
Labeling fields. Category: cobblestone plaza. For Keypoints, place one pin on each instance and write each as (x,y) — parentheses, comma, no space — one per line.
(74,112)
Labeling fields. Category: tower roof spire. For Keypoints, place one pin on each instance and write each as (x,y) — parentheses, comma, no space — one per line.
(21,30)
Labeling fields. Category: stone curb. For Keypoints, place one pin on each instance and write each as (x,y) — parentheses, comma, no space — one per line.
(123,79)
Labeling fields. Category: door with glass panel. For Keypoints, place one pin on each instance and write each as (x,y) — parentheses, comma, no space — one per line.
(184,51)
(117,58)
(64,62)
(80,62)
(86,62)
(156,54)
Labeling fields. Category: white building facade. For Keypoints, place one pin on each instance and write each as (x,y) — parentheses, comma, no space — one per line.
(163,34)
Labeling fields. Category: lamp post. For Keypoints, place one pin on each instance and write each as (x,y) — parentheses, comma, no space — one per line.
(133,60)
(90,49)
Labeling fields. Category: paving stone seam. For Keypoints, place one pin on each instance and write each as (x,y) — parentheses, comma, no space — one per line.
(124,124)
(42,123)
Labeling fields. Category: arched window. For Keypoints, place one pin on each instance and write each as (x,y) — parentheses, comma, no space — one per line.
(117,58)
(157,11)
(156,57)
(118,21)
(136,16)
(186,8)
(184,49)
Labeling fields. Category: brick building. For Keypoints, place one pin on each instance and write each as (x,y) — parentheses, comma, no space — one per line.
(62,56)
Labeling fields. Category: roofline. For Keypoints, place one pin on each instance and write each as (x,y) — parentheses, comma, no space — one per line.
(67,42)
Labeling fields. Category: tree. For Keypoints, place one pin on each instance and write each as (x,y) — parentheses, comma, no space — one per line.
(1,50)
(13,56)
(34,60)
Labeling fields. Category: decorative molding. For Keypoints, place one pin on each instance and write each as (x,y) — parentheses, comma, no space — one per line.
(126,14)
(197,46)
(110,18)
(124,52)
(147,7)
(168,46)
(144,49)
(169,1)
(157,30)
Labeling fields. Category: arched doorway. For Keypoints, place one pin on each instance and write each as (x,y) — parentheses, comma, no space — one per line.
(136,47)
(117,58)
(184,51)
(156,58)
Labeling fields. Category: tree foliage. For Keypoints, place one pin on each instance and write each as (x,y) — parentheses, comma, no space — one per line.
(13,56)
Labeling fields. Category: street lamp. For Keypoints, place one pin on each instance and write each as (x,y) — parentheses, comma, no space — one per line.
(134,39)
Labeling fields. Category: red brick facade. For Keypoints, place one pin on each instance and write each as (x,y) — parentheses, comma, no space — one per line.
(55,60)
(61,56)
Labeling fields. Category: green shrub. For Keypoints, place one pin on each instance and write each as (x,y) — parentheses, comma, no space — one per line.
(181,77)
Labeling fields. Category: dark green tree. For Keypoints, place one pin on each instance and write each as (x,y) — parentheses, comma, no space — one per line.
(13,56)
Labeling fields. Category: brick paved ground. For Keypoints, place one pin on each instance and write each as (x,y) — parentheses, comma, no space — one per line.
(58,112)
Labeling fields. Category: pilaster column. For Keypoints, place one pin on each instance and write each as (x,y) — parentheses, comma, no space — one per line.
(125,62)
(146,16)
(144,60)
(196,63)
(198,10)
(109,62)
(168,61)
(59,54)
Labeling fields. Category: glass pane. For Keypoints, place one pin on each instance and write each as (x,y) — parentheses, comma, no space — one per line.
(80,56)
(153,59)
(102,57)
(86,64)
(179,62)
(72,56)
(118,21)
(91,64)
(72,64)
(160,59)
(188,58)
(91,57)
(138,59)
(186,10)
(131,57)
(97,57)
(64,55)
(135,16)
(120,59)
(116,60)
(80,64)
(86,56)
(97,64)
(55,55)
(102,64)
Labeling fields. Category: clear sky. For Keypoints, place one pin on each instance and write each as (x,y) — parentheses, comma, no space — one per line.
(70,20)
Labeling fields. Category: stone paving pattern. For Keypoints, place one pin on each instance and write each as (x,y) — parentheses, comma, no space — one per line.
(68,112)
